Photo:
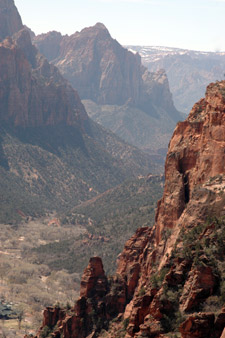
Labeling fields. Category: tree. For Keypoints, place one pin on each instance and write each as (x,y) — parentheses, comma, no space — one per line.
(20,317)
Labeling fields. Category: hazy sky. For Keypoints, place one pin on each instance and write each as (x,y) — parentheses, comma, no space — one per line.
(192,24)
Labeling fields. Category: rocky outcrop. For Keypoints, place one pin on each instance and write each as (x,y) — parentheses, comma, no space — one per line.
(10,20)
(203,325)
(194,190)
(196,153)
(100,301)
(200,284)
(49,44)
(94,281)
(199,326)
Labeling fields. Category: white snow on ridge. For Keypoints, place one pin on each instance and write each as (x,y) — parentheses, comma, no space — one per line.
(152,51)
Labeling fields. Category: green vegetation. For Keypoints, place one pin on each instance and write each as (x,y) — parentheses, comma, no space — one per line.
(45,332)
(109,219)
(134,125)
(200,246)
(204,243)
(41,264)
(26,287)
(55,168)
(158,277)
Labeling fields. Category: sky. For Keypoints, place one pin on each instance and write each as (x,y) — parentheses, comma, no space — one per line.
(189,24)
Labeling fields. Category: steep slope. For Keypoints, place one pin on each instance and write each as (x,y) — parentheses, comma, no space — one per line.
(10,20)
(105,73)
(50,151)
(188,71)
(135,125)
(119,210)
(172,276)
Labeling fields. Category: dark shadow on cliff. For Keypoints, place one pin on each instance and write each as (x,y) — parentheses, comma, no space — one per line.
(51,138)
(3,159)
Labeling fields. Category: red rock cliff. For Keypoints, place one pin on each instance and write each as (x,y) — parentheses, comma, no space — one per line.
(173,252)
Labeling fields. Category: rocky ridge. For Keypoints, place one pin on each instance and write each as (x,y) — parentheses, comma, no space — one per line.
(105,72)
(172,276)
(117,90)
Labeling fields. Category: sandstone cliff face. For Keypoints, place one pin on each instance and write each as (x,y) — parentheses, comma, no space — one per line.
(97,66)
(105,72)
(170,272)
(117,90)
(32,91)
(10,20)
(194,189)
(196,153)
(49,44)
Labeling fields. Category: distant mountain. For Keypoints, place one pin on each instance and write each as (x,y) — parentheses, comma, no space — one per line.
(52,155)
(107,74)
(188,71)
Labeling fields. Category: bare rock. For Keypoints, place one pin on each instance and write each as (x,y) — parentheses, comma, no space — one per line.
(199,285)
(94,281)
(199,326)
(10,20)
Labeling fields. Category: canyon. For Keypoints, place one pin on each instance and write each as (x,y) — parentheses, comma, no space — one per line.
(169,277)
(50,150)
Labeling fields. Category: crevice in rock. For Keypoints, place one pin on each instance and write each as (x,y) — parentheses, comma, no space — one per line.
(186,188)
(185,179)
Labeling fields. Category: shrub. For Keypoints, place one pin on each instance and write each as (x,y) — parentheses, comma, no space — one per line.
(45,332)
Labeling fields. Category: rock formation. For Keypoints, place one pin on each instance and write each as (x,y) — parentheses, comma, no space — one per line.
(10,20)
(105,72)
(100,300)
(33,93)
(117,90)
(171,277)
